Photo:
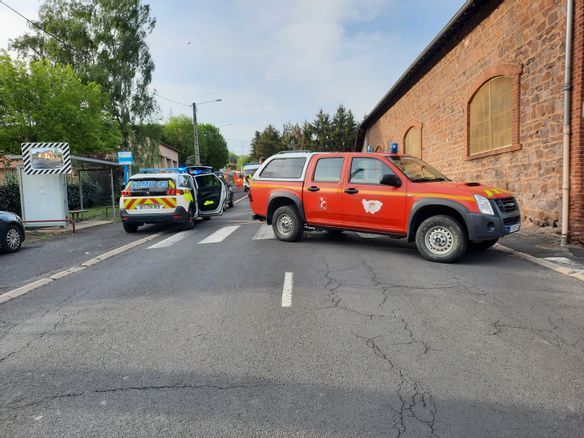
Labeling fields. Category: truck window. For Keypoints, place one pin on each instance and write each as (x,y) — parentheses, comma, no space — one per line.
(328,170)
(368,171)
(288,168)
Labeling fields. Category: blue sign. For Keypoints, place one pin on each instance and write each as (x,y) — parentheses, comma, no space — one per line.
(125,158)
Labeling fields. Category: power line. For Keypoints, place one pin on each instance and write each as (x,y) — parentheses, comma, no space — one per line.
(168,98)
(39,27)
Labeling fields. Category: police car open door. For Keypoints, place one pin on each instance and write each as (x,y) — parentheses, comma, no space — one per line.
(211,194)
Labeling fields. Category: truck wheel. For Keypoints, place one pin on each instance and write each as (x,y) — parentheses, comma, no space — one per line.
(482,245)
(287,225)
(441,239)
(130,228)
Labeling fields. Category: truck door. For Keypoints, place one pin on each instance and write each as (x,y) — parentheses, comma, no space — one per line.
(322,197)
(369,205)
(211,194)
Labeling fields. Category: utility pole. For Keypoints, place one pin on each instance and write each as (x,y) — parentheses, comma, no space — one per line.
(197,149)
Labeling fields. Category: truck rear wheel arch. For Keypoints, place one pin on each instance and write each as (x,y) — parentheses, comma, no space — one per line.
(279,199)
(433,207)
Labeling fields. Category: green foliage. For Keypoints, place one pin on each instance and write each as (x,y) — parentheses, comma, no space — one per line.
(325,133)
(145,145)
(93,195)
(266,143)
(45,102)
(10,196)
(213,146)
(105,42)
(178,132)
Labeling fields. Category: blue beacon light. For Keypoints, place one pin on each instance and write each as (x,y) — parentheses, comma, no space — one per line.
(394,148)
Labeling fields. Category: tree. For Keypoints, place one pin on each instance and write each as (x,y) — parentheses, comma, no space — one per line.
(178,132)
(105,42)
(344,130)
(266,143)
(214,151)
(45,102)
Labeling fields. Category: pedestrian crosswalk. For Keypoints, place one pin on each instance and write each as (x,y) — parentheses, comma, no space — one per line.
(262,233)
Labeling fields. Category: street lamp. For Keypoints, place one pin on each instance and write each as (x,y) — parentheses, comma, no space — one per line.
(197,149)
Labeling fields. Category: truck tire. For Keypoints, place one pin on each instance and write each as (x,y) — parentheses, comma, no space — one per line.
(441,239)
(286,224)
(482,245)
(130,228)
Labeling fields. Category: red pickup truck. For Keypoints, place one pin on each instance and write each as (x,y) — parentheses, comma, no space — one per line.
(396,195)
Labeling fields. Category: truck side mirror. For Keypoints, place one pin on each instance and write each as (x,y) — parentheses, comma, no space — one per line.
(390,180)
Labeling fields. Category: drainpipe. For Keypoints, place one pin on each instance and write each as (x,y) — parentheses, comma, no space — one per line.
(567,124)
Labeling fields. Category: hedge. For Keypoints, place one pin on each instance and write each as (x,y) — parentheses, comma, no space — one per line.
(10,197)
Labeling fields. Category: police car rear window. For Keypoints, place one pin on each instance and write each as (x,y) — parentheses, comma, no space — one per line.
(150,184)
(287,168)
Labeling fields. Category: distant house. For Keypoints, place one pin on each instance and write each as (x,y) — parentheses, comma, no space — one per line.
(484,102)
(168,156)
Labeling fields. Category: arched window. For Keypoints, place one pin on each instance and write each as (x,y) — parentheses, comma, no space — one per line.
(491,116)
(413,142)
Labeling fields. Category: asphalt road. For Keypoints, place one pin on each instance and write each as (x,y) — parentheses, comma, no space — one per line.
(190,338)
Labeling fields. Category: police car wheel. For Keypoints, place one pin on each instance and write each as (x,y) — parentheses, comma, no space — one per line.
(130,228)
(190,223)
(286,224)
(441,239)
(482,245)
(12,239)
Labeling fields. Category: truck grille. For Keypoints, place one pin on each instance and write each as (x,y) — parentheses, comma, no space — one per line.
(506,205)
(512,220)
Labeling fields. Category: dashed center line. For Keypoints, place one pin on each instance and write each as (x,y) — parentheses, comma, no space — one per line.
(220,235)
(170,240)
(287,290)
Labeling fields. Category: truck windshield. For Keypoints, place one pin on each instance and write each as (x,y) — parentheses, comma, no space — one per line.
(417,170)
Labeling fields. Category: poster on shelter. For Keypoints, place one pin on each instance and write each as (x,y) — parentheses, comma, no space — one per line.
(46,158)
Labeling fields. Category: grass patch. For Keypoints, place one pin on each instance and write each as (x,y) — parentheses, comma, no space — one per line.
(99,213)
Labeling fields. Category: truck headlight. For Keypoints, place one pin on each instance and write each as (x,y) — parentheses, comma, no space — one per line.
(484,205)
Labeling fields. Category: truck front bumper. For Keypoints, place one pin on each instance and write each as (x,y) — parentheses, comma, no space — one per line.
(487,227)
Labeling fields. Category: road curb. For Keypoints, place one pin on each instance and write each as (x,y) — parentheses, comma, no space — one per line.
(7,296)
(544,263)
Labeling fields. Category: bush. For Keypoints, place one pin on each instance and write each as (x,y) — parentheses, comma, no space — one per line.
(92,195)
(10,197)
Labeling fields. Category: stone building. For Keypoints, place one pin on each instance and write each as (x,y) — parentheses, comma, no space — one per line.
(485,102)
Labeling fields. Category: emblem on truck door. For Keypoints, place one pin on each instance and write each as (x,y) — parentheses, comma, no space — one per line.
(323,203)
(371,206)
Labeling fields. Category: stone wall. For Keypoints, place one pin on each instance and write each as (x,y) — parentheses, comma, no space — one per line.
(523,39)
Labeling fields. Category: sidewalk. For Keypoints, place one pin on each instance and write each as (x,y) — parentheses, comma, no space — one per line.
(546,248)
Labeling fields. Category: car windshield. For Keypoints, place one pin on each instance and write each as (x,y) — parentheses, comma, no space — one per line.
(417,170)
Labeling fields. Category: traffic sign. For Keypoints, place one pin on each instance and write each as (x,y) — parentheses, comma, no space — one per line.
(125,158)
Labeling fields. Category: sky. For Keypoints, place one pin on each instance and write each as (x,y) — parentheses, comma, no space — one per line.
(271,61)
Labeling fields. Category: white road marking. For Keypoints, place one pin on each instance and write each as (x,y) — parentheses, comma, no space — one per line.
(169,241)
(220,235)
(368,236)
(241,199)
(287,290)
(265,232)
(7,296)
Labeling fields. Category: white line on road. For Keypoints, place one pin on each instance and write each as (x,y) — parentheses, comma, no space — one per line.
(368,236)
(241,199)
(265,232)
(220,235)
(170,240)
(7,296)
(287,290)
